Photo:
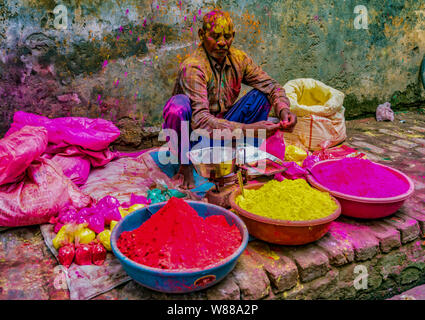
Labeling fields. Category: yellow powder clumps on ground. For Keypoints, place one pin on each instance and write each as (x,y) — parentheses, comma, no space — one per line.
(291,200)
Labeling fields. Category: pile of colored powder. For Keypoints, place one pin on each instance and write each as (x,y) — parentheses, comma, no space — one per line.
(176,237)
(289,199)
(360,177)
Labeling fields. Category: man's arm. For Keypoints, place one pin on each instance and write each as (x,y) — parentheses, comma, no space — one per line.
(255,77)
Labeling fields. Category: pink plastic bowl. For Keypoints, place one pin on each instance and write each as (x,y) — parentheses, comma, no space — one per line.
(366,208)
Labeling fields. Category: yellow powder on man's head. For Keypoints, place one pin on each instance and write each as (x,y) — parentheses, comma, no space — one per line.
(218,21)
(291,200)
(222,25)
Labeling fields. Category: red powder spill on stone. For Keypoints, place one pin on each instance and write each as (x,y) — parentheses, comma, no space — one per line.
(176,237)
(360,177)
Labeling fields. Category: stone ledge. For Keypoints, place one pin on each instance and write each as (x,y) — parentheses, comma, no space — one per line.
(408,227)
(312,262)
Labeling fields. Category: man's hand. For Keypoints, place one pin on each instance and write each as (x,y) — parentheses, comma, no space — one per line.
(269,126)
(288,120)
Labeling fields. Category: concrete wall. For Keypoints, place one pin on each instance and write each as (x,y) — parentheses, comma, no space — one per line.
(118,59)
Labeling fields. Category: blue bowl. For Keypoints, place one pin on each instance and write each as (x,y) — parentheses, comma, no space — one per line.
(178,281)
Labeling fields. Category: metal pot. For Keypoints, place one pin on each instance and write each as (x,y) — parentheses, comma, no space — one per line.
(213,162)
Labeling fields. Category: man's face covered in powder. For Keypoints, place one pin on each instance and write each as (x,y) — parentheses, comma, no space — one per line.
(217,36)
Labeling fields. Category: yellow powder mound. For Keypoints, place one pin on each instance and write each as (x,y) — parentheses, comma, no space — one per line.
(291,200)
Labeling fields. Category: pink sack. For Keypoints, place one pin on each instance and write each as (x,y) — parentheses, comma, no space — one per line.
(93,134)
(39,196)
(96,158)
(18,150)
(275,145)
(75,143)
(76,168)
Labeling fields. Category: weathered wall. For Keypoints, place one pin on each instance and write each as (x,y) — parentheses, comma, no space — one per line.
(118,59)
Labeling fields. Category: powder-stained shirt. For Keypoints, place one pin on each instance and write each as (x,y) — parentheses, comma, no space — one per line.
(213,90)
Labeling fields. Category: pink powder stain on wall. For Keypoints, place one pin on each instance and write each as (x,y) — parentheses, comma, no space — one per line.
(360,177)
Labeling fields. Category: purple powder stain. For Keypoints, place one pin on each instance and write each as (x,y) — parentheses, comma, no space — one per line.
(125,74)
(316,18)
(163,40)
(99,101)
(194,18)
(185,18)
(144,23)
(150,40)
(118,37)
(126,11)
(105,63)
(121,28)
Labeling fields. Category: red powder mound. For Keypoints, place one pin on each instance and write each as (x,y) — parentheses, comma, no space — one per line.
(176,237)
(360,177)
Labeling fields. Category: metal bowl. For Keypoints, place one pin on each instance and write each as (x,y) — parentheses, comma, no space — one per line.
(283,232)
(214,162)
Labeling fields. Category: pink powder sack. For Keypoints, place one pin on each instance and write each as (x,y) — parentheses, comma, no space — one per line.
(92,134)
(74,167)
(42,193)
(18,150)
(360,177)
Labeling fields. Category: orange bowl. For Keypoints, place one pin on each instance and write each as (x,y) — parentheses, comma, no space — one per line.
(284,232)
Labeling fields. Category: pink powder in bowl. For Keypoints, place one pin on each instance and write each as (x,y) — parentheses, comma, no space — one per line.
(360,177)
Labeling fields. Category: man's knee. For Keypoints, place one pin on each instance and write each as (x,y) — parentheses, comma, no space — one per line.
(178,105)
(257,94)
(176,110)
(181,99)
